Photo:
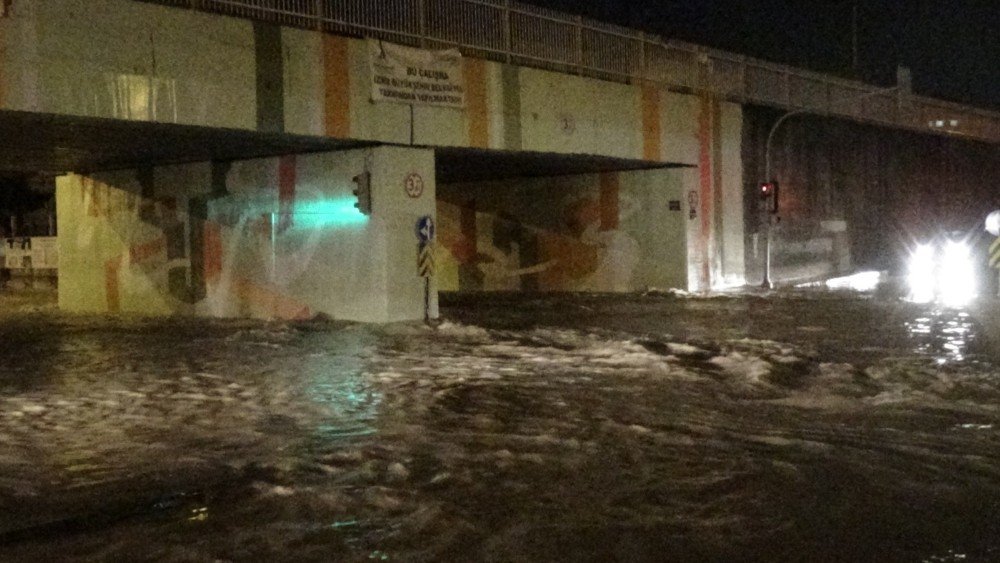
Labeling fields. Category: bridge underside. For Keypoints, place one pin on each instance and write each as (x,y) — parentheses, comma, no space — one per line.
(48,143)
(33,143)
(165,219)
(460,164)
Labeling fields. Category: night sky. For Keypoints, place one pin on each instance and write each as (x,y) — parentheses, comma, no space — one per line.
(951,46)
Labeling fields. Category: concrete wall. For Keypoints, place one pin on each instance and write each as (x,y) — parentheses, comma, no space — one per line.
(591,232)
(270,238)
(129,60)
(508,108)
(716,228)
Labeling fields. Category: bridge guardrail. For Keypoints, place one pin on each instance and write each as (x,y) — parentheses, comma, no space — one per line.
(509,31)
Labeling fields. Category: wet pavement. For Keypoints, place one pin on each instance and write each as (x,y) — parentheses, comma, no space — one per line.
(797,426)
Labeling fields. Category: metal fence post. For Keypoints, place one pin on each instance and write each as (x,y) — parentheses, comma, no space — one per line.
(579,44)
(422,6)
(701,77)
(678,64)
(642,57)
(508,31)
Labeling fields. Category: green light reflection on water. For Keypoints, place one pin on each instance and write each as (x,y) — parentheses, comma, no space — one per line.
(339,384)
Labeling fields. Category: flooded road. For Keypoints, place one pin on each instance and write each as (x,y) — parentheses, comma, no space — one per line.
(804,426)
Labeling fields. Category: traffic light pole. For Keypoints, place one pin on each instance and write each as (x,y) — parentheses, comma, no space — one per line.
(767,178)
(767,284)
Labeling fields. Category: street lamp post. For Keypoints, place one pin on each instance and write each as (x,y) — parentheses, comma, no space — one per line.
(767,168)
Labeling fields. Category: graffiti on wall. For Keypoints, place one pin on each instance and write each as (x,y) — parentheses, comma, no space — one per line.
(212,249)
(506,245)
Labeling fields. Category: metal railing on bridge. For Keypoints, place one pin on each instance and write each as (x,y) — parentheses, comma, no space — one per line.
(511,32)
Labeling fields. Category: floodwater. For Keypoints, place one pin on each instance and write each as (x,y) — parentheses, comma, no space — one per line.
(804,426)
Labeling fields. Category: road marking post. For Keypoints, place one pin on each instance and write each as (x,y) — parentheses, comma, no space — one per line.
(994,257)
(425,231)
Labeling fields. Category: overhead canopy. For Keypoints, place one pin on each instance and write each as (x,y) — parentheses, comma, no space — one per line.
(456,164)
(32,143)
(45,143)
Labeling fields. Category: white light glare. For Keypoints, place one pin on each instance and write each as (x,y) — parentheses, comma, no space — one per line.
(957,275)
(992,223)
(861,281)
(920,276)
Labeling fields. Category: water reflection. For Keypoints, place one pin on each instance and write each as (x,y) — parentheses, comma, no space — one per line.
(339,385)
(944,334)
(345,443)
(861,282)
(950,556)
(199,514)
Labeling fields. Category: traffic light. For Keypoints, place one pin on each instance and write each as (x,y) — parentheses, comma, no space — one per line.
(769,191)
(363,192)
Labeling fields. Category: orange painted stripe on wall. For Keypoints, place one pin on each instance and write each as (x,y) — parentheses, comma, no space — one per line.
(3,89)
(477,103)
(470,233)
(651,128)
(147,250)
(112,284)
(3,74)
(337,82)
(270,301)
(213,252)
(609,201)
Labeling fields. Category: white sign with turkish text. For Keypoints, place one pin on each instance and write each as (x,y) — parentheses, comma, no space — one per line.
(416,76)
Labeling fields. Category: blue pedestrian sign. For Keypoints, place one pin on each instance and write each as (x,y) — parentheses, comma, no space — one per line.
(425,229)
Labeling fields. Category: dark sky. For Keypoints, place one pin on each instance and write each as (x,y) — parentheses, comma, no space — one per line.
(951,46)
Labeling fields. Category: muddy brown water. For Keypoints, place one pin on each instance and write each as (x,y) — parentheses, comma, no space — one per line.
(789,427)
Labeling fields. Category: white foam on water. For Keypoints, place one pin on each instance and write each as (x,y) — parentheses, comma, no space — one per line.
(748,368)
(683,349)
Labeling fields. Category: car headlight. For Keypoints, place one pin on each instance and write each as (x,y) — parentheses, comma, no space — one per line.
(920,274)
(956,274)
(947,274)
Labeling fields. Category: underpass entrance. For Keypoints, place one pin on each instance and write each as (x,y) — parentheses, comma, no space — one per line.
(142,189)
(539,222)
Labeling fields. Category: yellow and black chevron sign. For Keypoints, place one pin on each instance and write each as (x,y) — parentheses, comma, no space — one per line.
(425,260)
(995,254)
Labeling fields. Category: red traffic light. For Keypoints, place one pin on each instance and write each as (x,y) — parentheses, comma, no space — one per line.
(769,195)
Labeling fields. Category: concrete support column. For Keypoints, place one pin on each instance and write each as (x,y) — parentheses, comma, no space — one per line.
(403,191)
(715,200)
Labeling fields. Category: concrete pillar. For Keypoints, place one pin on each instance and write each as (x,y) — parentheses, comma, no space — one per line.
(715,200)
(398,202)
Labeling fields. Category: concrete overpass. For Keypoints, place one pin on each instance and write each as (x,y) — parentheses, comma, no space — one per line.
(209,147)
